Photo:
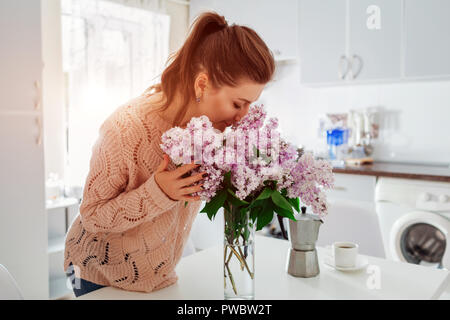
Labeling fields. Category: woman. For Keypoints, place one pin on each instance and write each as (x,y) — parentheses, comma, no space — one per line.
(133,224)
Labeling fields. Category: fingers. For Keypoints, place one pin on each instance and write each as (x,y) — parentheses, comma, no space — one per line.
(185,168)
(193,189)
(190,180)
(164,163)
(189,198)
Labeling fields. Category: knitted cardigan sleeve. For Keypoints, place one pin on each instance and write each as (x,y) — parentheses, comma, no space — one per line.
(106,206)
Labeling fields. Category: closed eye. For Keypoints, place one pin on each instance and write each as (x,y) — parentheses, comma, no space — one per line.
(237,106)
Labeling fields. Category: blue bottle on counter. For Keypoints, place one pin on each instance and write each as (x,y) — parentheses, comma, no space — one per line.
(335,138)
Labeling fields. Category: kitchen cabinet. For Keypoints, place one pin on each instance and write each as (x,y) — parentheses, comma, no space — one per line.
(374,42)
(20,58)
(23,221)
(345,41)
(274,21)
(427,42)
(322,40)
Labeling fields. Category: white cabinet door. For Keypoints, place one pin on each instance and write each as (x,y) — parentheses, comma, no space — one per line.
(20,55)
(351,214)
(427,43)
(322,26)
(355,221)
(274,21)
(375,39)
(23,220)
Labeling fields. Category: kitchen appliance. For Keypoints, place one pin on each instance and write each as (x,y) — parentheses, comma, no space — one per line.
(337,139)
(364,130)
(414,217)
(303,234)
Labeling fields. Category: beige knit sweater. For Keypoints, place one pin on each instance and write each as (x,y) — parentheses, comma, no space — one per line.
(128,234)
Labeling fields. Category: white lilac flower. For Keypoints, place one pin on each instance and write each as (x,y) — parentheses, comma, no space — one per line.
(308,176)
(235,152)
(253,120)
(245,179)
(211,183)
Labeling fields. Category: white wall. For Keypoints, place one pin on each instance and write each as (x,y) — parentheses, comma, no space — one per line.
(414,123)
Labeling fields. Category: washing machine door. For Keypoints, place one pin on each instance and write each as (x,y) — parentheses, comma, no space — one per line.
(422,238)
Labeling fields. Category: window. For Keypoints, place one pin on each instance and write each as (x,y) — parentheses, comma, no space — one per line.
(111,53)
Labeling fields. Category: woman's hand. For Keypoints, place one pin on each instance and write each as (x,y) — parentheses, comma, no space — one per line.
(171,183)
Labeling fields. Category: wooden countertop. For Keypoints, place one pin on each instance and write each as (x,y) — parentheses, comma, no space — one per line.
(399,170)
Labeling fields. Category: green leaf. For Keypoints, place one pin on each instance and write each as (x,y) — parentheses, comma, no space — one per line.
(284,213)
(254,212)
(226,206)
(266,193)
(258,203)
(281,201)
(243,211)
(235,202)
(262,197)
(295,203)
(215,204)
(239,202)
(265,216)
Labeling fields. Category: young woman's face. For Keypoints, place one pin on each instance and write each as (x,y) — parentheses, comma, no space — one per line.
(229,105)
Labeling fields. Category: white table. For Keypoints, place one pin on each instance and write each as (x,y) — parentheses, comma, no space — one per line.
(201,277)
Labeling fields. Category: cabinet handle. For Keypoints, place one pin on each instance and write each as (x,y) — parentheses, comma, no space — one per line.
(340,188)
(39,125)
(342,74)
(360,65)
(37,102)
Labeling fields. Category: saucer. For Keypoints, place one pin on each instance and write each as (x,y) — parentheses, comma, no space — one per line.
(361,263)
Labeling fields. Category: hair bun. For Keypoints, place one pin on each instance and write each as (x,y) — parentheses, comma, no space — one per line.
(214,22)
(223,24)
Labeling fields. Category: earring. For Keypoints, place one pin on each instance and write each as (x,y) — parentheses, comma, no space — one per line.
(198,99)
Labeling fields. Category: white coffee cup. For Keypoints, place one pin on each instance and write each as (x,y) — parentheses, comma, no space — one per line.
(345,254)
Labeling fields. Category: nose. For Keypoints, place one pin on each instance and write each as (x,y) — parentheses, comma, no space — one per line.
(242,113)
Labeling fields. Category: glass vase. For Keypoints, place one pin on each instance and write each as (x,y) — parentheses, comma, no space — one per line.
(239,255)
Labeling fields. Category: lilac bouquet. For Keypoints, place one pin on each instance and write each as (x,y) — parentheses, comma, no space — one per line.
(250,166)
(252,173)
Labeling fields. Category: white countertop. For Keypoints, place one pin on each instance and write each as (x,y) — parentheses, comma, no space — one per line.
(201,278)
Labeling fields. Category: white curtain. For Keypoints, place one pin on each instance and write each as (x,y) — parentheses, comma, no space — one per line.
(112,51)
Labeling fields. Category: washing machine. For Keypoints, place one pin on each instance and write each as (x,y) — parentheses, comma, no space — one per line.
(414,218)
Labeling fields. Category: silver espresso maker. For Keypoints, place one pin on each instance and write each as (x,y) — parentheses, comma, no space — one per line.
(303,234)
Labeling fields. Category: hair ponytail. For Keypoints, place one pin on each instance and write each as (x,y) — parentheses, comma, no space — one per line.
(226,53)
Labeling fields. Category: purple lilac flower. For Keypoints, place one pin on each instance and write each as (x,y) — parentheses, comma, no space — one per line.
(307,175)
(211,183)
(235,151)
(253,120)
(186,145)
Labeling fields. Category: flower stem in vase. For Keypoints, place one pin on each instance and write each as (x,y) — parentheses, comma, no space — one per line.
(238,238)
